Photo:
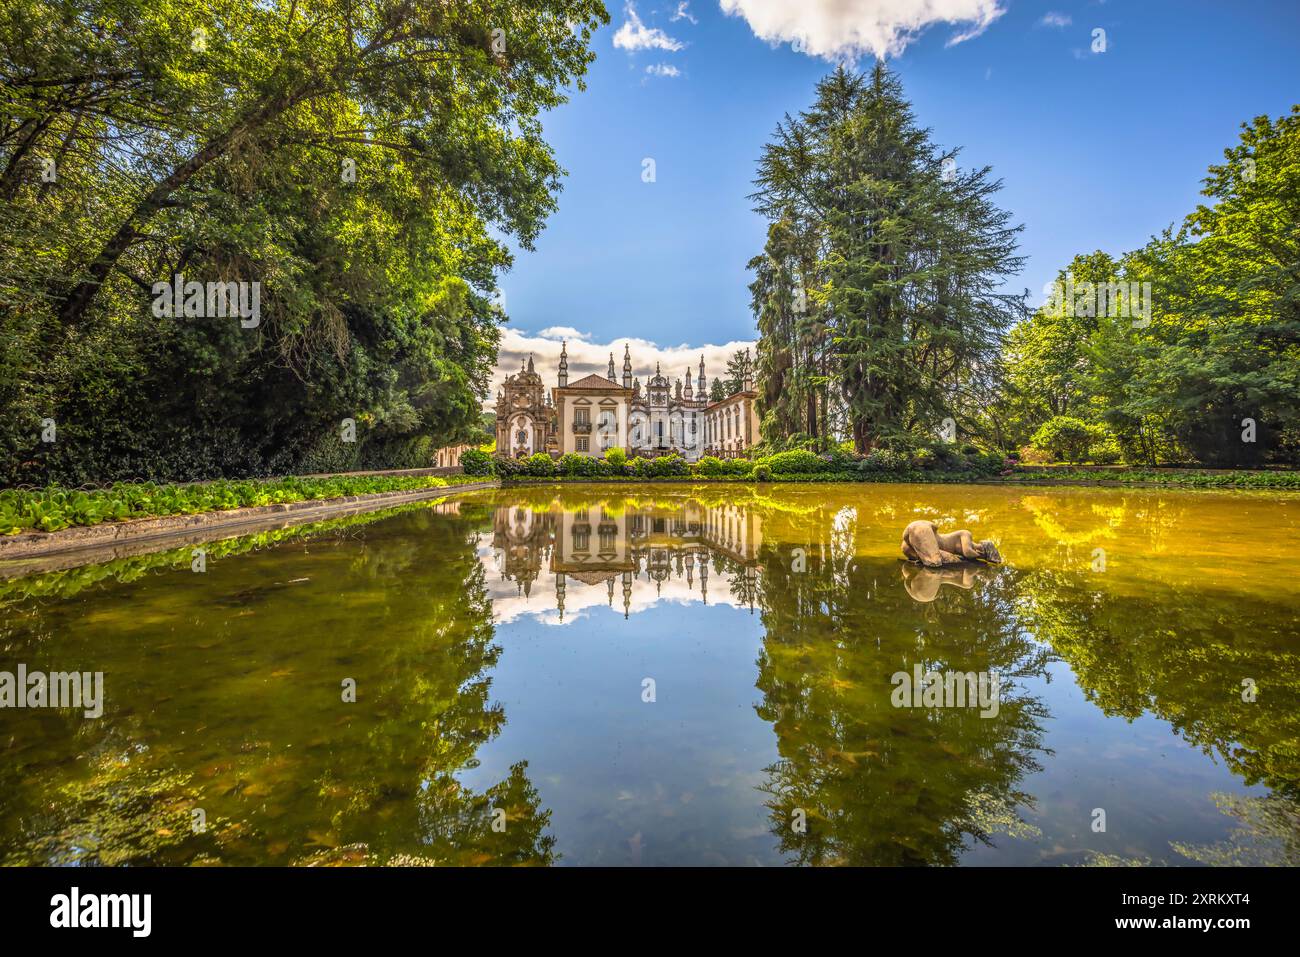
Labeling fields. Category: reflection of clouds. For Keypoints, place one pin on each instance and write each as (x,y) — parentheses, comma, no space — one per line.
(509,600)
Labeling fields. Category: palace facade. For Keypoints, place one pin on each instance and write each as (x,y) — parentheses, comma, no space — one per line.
(526,419)
(596,413)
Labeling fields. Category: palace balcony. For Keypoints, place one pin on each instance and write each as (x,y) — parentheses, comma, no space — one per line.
(582,428)
(724,453)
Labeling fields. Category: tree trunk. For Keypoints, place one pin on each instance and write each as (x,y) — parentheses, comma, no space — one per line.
(11,179)
(73,306)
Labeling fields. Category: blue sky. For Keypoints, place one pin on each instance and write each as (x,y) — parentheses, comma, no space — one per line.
(1097,150)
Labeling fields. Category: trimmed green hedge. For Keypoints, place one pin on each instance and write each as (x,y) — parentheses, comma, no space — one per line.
(1282,481)
(1239,478)
(899,461)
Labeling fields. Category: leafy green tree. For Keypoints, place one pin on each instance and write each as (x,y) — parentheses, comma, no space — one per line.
(363,163)
(1223,344)
(1066,437)
(1048,362)
(1211,372)
(784,366)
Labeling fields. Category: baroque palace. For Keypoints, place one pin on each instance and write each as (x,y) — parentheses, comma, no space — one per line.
(596,413)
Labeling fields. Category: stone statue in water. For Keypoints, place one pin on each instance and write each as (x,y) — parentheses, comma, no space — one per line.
(924,543)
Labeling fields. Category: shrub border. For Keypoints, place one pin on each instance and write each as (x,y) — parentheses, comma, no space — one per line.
(1236,480)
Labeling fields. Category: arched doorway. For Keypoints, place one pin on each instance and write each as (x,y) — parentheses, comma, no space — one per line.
(521,436)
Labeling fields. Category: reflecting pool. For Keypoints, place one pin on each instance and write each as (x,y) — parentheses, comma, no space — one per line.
(676,674)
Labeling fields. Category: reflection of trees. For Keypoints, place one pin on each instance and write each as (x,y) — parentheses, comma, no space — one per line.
(115,812)
(1267,834)
(1182,654)
(1098,524)
(1073,519)
(210,704)
(884,785)
(64,582)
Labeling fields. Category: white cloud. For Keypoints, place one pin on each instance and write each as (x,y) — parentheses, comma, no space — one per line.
(580,600)
(559,333)
(683,13)
(839,29)
(586,357)
(1053,19)
(634,35)
(663,69)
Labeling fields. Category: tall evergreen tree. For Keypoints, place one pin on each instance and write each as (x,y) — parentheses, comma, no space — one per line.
(896,257)
(737,372)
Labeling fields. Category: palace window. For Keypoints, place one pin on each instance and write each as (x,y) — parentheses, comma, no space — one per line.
(583,445)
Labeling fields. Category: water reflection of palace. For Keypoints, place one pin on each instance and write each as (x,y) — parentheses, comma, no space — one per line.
(626,546)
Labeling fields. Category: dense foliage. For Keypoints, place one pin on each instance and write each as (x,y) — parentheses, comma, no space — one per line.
(364,163)
(1067,438)
(476,462)
(1210,372)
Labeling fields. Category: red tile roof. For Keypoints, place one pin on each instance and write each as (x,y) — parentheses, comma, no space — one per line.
(593,382)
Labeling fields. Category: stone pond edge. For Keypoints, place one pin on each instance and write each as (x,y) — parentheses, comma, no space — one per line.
(243,520)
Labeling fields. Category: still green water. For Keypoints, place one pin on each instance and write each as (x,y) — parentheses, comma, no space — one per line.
(504,647)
